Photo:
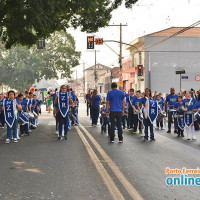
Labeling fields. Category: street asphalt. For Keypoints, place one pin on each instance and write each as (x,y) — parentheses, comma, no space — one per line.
(41,167)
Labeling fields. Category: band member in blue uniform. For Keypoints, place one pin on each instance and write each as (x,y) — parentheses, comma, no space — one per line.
(62,100)
(76,109)
(189,104)
(136,104)
(11,108)
(2,118)
(180,108)
(150,113)
(129,100)
(171,100)
(24,124)
(95,106)
(161,112)
(196,110)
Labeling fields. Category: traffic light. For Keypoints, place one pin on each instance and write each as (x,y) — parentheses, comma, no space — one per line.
(140,70)
(41,44)
(90,42)
(99,41)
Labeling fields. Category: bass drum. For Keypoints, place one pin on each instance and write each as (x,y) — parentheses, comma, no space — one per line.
(30,115)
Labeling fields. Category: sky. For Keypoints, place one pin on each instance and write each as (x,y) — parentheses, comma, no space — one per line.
(146,16)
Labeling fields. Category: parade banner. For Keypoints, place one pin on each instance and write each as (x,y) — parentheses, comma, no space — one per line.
(181,122)
(9,112)
(63,103)
(24,118)
(188,118)
(153,110)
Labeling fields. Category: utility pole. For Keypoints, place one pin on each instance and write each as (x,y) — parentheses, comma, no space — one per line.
(76,83)
(84,77)
(95,70)
(120,53)
(140,62)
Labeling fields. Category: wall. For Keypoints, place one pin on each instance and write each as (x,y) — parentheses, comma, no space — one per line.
(162,65)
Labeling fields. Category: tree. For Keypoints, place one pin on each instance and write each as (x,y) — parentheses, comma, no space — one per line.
(20,67)
(26,21)
(59,56)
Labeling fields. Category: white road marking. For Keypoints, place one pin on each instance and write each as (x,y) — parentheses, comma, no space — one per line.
(116,194)
(127,185)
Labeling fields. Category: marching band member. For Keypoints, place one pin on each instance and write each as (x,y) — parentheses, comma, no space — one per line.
(129,100)
(136,104)
(63,100)
(196,110)
(150,113)
(23,116)
(161,111)
(189,117)
(171,100)
(11,107)
(180,108)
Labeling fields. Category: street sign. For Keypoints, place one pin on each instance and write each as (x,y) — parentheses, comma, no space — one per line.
(120,83)
(99,41)
(197,78)
(184,77)
(180,72)
(70,81)
(90,42)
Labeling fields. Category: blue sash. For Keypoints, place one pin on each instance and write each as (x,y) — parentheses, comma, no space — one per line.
(188,118)
(197,114)
(9,112)
(24,118)
(153,110)
(63,103)
(181,122)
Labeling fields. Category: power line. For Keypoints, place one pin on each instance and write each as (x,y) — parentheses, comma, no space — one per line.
(175,34)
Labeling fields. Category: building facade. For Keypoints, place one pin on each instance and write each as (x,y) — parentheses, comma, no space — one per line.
(101,72)
(162,55)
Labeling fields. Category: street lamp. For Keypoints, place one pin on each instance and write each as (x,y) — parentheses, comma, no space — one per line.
(180,72)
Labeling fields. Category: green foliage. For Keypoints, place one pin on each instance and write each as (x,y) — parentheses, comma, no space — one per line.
(20,67)
(26,21)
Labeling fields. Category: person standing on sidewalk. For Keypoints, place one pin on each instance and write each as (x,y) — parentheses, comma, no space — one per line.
(2,118)
(171,100)
(116,105)
(88,99)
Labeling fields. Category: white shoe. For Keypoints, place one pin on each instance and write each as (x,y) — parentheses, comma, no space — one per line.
(188,138)
(142,135)
(18,138)
(56,132)
(15,140)
(193,138)
(7,141)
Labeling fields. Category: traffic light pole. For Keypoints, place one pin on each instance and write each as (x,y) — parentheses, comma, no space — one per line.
(140,62)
